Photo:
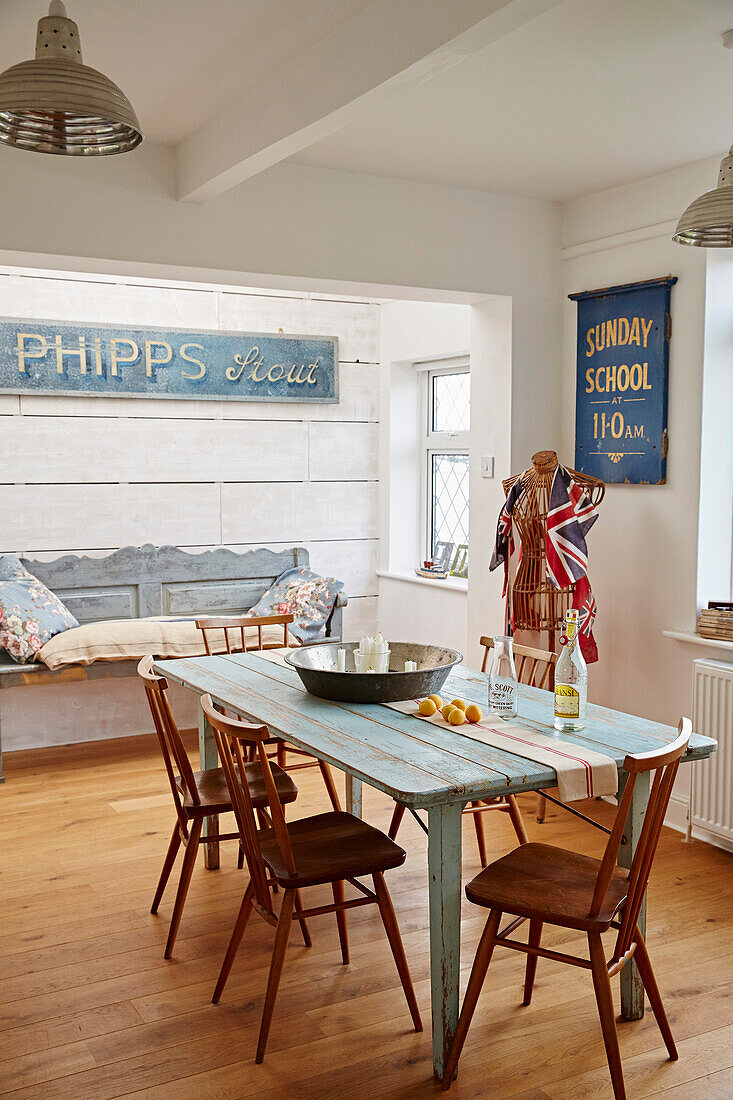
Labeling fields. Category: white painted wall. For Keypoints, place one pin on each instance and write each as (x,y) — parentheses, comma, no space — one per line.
(408,333)
(413,610)
(291,221)
(509,430)
(644,547)
(514,391)
(434,613)
(414,331)
(83,474)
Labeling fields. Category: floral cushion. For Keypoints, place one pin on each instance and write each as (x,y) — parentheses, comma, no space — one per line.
(304,594)
(30,614)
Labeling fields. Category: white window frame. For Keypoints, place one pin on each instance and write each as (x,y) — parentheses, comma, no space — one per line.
(435,442)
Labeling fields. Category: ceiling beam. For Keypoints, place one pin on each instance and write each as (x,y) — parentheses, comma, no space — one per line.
(390,45)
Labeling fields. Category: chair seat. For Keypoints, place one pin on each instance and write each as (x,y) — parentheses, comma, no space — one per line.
(539,880)
(329,847)
(214,793)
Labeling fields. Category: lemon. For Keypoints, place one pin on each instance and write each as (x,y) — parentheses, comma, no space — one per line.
(445,711)
(437,700)
(460,703)
(473,713)
(427,708)
(456,717)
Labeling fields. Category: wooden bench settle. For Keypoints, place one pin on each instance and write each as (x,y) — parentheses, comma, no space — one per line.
(141,581)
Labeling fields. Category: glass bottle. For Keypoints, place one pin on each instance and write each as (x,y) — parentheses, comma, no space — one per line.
(503,680)
(571,680)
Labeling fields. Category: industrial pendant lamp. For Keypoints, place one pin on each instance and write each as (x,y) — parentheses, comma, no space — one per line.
(55,104)
(708,221)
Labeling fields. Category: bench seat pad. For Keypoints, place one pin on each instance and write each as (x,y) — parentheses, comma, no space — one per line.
(130,639)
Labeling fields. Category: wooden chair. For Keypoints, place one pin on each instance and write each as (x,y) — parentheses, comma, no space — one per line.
(333,848)
(547,885)
(535,667)
(196,795)
(242,623)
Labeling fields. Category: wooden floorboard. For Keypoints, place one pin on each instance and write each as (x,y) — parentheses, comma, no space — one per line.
(90,1009)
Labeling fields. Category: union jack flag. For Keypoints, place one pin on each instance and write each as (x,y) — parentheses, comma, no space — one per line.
(585,604)
(504,545)
(571,516)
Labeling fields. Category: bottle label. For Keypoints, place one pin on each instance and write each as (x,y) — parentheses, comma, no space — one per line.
(502,696)
(567,701)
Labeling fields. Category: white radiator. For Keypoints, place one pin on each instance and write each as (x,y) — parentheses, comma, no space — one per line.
(711,795)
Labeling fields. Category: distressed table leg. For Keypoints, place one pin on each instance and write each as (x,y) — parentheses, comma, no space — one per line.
(209,759)
(353,795)
(444,868)
(632,988)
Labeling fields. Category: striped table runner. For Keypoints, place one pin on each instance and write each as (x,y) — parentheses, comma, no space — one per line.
(581,772)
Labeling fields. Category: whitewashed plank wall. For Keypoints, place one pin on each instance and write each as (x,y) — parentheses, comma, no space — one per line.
(95,474)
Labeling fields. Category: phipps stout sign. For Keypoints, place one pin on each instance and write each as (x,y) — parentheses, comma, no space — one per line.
(46,357)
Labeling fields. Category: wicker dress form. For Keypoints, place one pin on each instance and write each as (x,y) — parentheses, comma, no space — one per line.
(533,602)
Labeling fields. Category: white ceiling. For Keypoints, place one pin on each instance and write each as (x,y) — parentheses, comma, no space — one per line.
(592,94)
(179,61)
(587,95)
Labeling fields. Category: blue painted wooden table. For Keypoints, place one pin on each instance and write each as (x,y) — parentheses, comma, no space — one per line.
(423,766)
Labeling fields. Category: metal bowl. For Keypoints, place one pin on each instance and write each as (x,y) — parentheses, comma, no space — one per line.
(316,666)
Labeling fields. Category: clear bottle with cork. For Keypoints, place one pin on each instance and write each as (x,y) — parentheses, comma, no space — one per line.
(571,680)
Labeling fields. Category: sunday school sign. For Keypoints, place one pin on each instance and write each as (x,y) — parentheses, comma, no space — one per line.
(622,382)
(45,357)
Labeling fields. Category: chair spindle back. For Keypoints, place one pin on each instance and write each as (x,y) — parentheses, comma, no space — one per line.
(664,764)
(241,623)
(534,666)
(231,735)
(174,752)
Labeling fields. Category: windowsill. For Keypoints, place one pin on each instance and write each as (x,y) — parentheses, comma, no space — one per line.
(453,584)
(696,639)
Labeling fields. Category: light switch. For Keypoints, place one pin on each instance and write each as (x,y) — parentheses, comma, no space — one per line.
(487,467)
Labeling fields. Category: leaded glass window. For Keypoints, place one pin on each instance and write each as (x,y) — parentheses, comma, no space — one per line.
(452,402)
(449,499)
(447,421)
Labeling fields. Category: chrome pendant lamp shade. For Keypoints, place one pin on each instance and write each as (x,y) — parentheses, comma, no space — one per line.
(708,221)
(56,104)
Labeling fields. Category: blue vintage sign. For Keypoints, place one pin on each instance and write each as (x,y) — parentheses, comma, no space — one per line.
(45,357)
(622,382)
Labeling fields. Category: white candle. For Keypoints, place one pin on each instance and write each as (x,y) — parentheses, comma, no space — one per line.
(341,660)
